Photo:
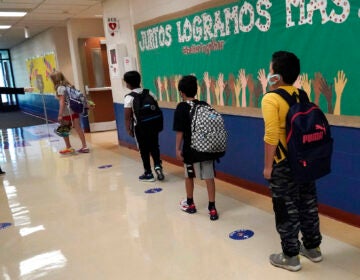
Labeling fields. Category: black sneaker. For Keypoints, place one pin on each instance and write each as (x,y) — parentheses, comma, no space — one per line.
(159,173)
(213,214)
(147,177)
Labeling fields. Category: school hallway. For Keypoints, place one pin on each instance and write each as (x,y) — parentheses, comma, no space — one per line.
(86,216)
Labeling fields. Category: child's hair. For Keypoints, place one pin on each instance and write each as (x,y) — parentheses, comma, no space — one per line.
(188,85)
(132,78)
(58,79)
(287,65)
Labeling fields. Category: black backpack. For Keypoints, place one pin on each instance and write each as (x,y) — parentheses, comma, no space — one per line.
(147,111)
(308,137)
(208,133)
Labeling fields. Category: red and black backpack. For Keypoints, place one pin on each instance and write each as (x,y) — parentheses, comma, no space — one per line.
(308,138)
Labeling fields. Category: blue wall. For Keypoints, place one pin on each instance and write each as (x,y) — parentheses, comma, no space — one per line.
(244,159)
(245,154)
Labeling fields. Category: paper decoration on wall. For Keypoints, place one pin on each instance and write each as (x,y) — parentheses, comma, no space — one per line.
(39,69)
(215,45)
(113,25)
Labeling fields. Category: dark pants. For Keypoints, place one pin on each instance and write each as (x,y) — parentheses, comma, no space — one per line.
(295,207)
(148,144)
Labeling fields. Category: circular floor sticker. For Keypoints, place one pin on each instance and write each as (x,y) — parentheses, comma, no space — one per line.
(105,166)
(154,190)
(4,225)
(241,234)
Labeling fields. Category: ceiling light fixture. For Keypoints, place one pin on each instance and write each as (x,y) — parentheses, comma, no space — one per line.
(27,32)
(5,26)
(12,14)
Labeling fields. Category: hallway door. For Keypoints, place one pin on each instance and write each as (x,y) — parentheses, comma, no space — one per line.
(95,70)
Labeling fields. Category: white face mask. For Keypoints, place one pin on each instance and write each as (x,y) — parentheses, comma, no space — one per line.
(273,79)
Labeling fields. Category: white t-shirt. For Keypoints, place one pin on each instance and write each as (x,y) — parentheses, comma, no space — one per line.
(128,100)
(61,91)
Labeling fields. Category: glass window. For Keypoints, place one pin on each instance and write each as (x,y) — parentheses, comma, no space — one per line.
(6,77)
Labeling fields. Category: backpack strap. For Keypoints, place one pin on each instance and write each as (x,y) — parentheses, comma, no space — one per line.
(135,94)
(291,99)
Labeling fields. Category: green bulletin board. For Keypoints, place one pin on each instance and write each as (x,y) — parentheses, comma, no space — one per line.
(229,46)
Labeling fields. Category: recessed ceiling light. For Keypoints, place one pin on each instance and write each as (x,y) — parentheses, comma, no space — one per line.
(12,14)
(5,26)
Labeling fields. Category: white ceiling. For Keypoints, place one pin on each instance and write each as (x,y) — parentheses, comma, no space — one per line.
(42,15)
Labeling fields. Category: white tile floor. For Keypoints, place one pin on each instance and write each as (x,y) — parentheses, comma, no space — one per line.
(71,219)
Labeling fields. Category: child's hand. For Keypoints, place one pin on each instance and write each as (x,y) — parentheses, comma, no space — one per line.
(179,155)
(28,89)
(91,104)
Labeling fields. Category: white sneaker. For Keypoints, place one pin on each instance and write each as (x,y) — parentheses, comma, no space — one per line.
(191,209)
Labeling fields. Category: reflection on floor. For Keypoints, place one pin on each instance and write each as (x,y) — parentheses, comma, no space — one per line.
(86,216)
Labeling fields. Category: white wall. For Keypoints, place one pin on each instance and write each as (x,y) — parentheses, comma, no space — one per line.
(145,10)
(54,40)
(124,39)
(63,41)
(80,29)
(129,13)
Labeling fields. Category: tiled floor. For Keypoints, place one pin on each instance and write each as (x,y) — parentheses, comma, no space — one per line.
(87,216)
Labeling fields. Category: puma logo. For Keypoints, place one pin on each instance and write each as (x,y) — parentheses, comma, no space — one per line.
(320,127)
(312,137)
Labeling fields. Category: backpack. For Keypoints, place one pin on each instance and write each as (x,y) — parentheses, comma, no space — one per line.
(308,137)
(208,133)
(76,100)
(147,111)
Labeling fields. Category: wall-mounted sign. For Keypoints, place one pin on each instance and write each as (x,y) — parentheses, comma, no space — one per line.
(113,25)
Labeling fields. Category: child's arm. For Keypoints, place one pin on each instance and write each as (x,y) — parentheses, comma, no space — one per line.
(61,107)
(129,121)
(179,139)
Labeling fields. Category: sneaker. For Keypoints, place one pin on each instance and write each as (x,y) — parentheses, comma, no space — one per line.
(147,177)
(191,209)
(213,214)
(312,254)
(2,172)
(84,150)
(67,151)
(159,173)
(283,261)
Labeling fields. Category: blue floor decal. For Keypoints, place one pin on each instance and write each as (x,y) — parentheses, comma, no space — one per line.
(241,234)
(4,225)
(105,166)
(154,190)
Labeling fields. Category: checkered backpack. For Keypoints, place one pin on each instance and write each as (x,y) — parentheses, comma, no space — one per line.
(208,133)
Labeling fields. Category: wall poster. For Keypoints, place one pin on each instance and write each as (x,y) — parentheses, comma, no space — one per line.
(39,69)
(229,47)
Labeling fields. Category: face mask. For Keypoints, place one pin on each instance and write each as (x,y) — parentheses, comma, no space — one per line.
(273,79)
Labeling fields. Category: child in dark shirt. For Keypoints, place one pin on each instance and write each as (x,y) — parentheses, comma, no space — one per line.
(205,169)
